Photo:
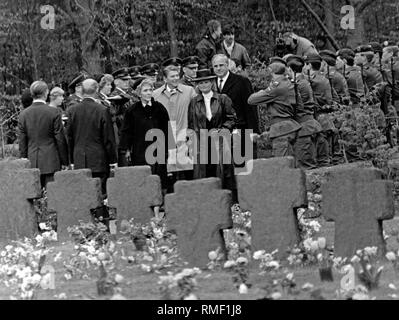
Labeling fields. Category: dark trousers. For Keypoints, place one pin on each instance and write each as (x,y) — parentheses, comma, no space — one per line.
(103,177)
(46,178)
(305,153)
(323,150)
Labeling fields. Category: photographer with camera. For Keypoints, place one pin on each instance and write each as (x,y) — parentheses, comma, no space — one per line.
(298,45)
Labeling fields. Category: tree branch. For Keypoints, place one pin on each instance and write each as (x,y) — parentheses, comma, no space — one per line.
(321,24)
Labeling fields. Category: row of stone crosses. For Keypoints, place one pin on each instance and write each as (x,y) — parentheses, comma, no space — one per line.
(357,200)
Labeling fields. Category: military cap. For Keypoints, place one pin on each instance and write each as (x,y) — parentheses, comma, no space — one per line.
(150,69)
(78,80)
(122,74)
(389,43)
(278,60)
(377,47)
(98,77)
(295,60)
(190,60)
(346,53)
(138,81)
(172,62)
(328,56)
(313,57)
(364,49)
(135,71)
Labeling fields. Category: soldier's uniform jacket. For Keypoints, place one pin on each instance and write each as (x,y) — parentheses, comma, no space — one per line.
(339,84)
(281,106)
(353,76)
(371,75)
(306,108)
(387,75)
(322,90)
(324,100)
(72,100)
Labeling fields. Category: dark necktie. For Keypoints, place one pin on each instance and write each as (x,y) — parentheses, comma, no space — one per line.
(220,85)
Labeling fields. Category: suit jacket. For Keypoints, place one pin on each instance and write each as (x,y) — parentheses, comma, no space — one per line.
(91,136)
(238,89)
(42,139)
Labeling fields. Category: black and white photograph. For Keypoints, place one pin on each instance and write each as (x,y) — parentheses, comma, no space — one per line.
(220,151)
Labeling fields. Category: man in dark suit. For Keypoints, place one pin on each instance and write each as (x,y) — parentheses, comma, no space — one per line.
(91,135)
(238,89)
(41,137)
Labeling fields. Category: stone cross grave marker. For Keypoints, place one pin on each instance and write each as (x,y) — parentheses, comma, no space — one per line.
(19,185)
(72,195)
(271,193)
(358,201)
(199,211)
(133,192)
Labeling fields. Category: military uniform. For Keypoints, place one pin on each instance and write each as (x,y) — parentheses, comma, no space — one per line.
(353,76)
(387,73)
(305,147)
(75,98)
(324,101)
(281,105)
(371,75)
(72,100)
(338,82)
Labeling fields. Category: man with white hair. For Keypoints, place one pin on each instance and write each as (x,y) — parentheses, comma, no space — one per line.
(41,137)
(90,135)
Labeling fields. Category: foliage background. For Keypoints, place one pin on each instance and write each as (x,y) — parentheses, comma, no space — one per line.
(101,35)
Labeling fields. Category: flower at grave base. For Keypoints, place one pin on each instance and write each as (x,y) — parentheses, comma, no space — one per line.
(8,248)
(102,256)
(191,296)
(212,255)
(307,286)
(371,251)
(355,259)
(58,256)
(42,226)
(360,296)
(82,254)
(3,254)
(391,256)
(118,296)
(276,296)
(61,296)
(290,276)
(145,268)
(259,254)
(27,294)
(359,252)
(274,264)
(322,243)
(242,260)
(308,244)
(229,264)
(320,257)
(318,197)
(94,260)
(67,276)
(392,286)
(243,289)
(119,278)
(314,246)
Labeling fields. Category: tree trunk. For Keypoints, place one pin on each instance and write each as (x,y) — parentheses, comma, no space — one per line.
(90,44)
(174,50)
(328,4)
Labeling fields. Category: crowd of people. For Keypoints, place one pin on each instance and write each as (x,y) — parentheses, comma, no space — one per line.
(105,121)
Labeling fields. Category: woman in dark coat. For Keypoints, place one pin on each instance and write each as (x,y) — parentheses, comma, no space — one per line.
(142,117)
(212,111)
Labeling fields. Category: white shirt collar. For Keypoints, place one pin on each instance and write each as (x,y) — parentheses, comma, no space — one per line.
(149,103)
(39,101)
(208,95)
(229,47)
(225,77)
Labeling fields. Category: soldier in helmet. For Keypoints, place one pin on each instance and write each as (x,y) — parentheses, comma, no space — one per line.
(337,80)
(363,58)
(281,105)
(305,147)
(323,96)
(352,74)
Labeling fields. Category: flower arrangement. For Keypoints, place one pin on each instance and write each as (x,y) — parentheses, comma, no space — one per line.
(179,286)
(394,259)
(365,262)
(22,266)
(240,270)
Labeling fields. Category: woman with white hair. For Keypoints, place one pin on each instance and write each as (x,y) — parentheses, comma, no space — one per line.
(144,116)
